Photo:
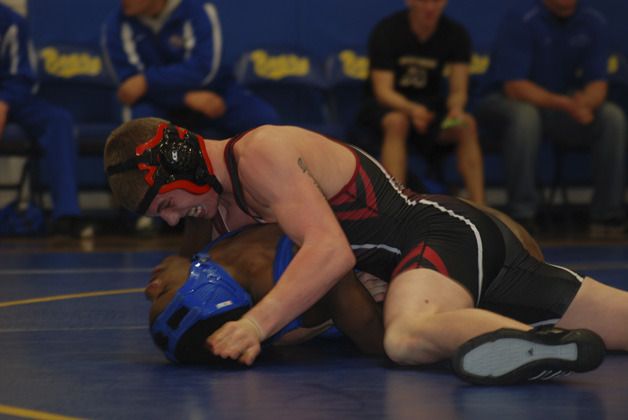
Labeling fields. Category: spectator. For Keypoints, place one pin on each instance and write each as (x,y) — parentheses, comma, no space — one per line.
(166,55)
(51,126)
(408,52)
(549,73)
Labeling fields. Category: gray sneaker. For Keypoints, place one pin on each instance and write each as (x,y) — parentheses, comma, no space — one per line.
(509,356)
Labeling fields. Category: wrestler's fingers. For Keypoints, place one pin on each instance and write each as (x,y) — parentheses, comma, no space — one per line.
(219,336)
(211,344)
(218,341)
(249,355)
(233,352)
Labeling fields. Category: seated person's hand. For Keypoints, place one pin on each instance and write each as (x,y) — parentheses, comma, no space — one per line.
(583,116)
(421,117)
(132,89)
(454,118)
(578,110)
(583,111)
(456,113)
(206,102)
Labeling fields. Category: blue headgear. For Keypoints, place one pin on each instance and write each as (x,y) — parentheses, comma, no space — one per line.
(209,298)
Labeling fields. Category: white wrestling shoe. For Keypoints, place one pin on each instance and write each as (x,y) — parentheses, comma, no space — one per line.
(509,356)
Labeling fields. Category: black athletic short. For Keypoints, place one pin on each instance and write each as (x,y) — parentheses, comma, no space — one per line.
(529,290)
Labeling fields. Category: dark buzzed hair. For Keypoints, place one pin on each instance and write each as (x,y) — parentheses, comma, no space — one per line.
(128,187)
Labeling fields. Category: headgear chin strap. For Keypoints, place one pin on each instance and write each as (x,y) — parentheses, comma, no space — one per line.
(174,159)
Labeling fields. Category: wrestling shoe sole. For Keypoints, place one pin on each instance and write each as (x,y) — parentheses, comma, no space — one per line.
(508,356)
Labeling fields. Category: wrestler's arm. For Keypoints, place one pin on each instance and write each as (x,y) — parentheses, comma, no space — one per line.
(303,213)
(356,314)
(272,171)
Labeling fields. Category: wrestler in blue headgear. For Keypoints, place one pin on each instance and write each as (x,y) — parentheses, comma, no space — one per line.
(209,298)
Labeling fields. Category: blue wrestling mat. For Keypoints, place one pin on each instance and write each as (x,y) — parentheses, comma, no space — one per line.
(74,343)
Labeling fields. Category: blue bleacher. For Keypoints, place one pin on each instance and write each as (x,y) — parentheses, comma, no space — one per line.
(66,35)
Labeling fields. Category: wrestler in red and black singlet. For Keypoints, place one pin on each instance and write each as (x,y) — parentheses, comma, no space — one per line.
(392,229)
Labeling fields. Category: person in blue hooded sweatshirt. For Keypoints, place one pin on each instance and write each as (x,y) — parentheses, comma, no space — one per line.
(50,126)
(167,58)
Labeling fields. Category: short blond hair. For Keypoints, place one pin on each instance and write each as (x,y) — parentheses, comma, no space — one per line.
(128,188)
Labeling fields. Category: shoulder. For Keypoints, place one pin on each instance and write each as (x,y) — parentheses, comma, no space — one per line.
(265,138)
(193,6)
(259,142)
(453,27)
(392,22)
(523,13)
(7,13)
(274,144)
(9,17)
(115,18)
(593,16)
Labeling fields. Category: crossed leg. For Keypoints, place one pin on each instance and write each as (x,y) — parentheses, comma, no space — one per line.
(427,316)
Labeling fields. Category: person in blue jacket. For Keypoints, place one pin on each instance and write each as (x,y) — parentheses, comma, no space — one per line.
(549,74)
(51,126)
(167,57)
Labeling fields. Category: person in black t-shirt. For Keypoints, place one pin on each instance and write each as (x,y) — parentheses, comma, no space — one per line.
(411,52)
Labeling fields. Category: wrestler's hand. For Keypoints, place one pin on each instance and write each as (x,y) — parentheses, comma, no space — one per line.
(238,340)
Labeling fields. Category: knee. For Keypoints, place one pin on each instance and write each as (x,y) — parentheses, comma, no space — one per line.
(612,115)
(523,131)
(406,347)
(396,123)
(522,114)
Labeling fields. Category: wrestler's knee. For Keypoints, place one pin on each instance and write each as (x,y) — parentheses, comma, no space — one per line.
(407,346)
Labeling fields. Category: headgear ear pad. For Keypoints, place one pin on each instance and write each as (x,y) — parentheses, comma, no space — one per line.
(190,348)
